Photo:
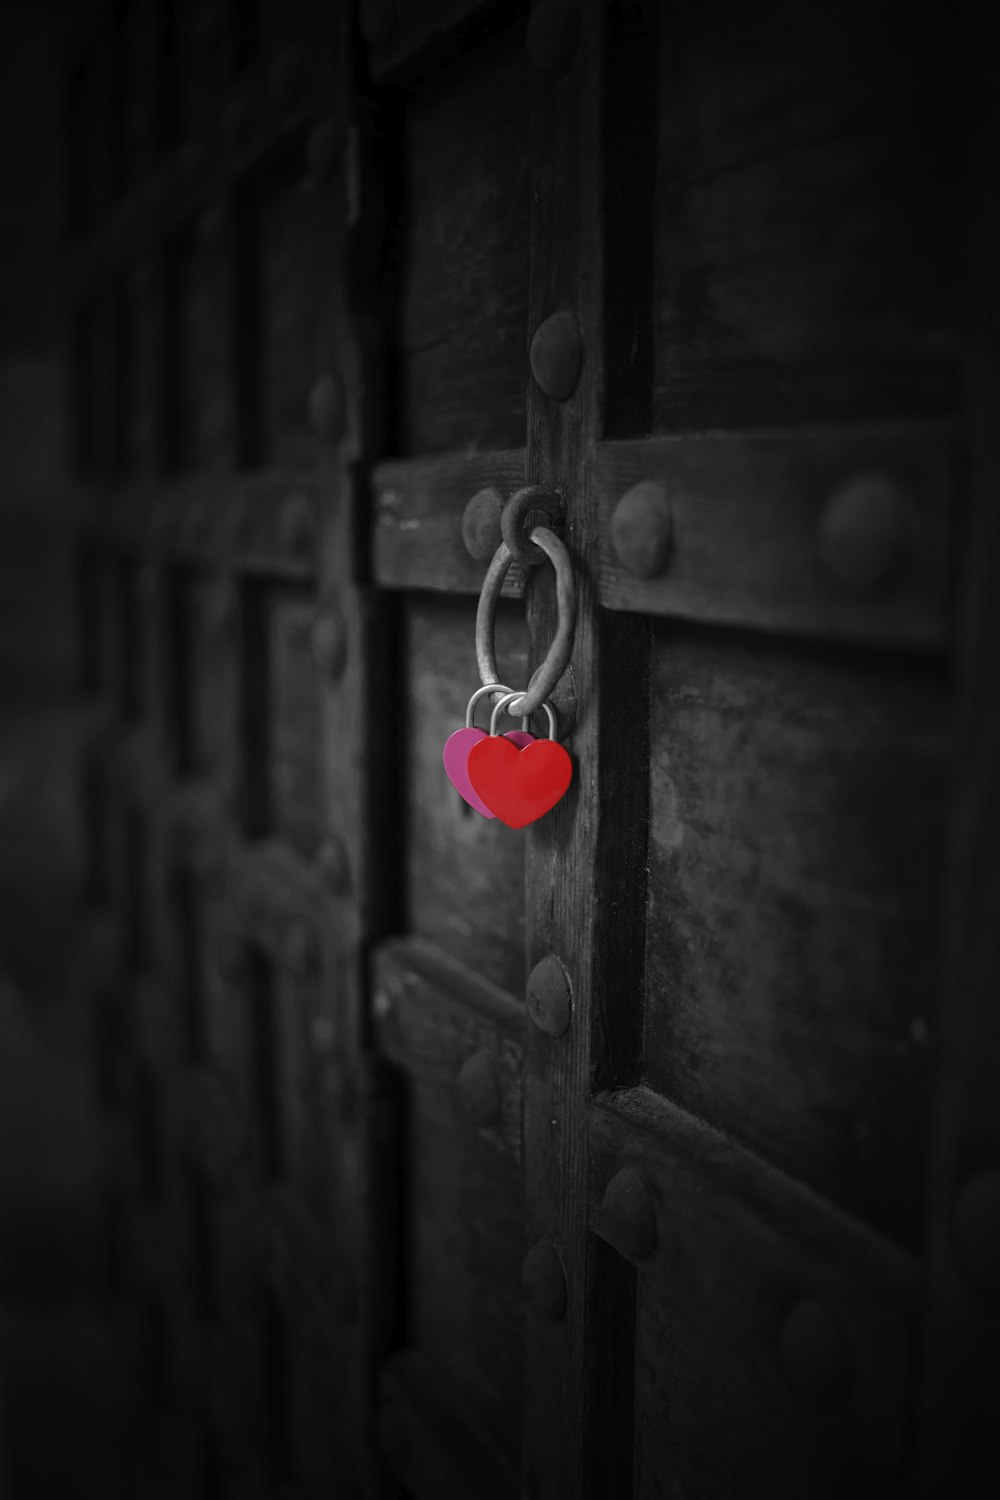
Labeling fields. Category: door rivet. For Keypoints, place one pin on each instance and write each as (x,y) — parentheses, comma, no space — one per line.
(553,36)
(975,1229)
(327,407)
(815,1355)
(478,1087)
(549,997)
(544,1280)
(627,1219)
(329,643)
(481,524)
(334,866)
(642,529)
(866,529)
(556,355)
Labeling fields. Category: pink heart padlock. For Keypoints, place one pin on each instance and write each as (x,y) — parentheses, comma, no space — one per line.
(459,745)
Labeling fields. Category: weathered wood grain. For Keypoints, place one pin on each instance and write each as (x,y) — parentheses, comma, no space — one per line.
(739,1247)
(432,1014)
(745,546)
(464,873)
(464,278)
(429,1444)
(419,503)
(586,858)
(464,1247)
(805,253)
(797,823)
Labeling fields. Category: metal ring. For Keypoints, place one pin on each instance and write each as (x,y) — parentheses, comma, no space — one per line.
(534,497)
(557,658)
(470,712)
(504,704)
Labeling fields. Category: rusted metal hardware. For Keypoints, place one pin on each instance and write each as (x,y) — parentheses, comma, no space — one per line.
(866,531)
(533,503)
(544,1280)
(478,1088)
(628,1220)
(550,999)
(556,661)
(481,531)
(556,355)
(642,529)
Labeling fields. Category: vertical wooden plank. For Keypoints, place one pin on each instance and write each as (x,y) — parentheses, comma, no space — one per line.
(351,651)
(591,848)
(961,1385)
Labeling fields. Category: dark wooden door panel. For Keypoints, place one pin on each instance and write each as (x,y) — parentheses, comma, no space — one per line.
(589,1160)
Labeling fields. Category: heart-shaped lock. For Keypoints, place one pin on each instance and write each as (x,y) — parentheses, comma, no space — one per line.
(459,745)
(519,785)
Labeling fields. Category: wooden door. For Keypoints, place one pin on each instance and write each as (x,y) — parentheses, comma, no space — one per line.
(600,1159)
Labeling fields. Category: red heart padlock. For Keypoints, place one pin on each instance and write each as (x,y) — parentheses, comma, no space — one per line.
(519,786)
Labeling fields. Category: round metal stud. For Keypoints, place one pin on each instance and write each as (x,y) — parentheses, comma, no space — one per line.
(478,1088)
(976,1232)
(550,999)
(816,1357)
(382,1006)
(377,20)
(329,642)
(334,866)
(556,355)
(321,152)
(553,36)
(544,1280)
(865,532)
(481,524)
(299,952)
(628,1220)
(642,529)
(327,407)
(297,526)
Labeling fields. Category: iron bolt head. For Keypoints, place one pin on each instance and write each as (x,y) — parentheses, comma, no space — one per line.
(329,642)
(642,529)
(544,1280)
(333,865)
(865,533)
(628,1220)
(479,1092)
(327,407)
(549,997)
(556,355)
(816,1357)
(481,524)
